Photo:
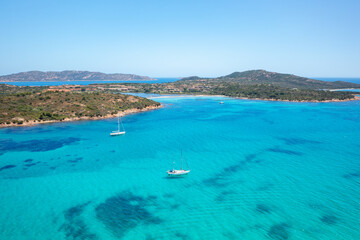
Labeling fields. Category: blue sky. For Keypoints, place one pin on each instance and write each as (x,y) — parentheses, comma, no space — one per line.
(182,38)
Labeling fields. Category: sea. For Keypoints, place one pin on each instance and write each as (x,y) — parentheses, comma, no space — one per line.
(157,80)
(259,170)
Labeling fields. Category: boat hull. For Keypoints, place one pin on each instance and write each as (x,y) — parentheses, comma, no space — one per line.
(117,133)
(176,173)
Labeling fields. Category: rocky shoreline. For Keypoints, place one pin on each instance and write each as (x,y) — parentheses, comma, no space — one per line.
(356,98)
(135,110)
(119,114)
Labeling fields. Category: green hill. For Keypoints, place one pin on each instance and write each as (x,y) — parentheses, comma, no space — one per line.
(25,105)
(278,79)
(68,76)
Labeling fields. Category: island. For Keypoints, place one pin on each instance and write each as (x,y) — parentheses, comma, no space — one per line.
(28,105)
(23,106)
(254,84)
(38,76)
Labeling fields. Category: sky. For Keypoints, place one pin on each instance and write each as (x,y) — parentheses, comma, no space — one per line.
(174,38)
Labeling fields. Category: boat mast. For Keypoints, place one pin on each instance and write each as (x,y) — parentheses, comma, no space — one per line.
(181,160)
(122,126)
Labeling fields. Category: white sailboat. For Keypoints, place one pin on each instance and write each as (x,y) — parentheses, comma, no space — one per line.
(118,132)
(180,172)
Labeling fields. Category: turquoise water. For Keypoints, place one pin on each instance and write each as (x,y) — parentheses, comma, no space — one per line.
(259,170)
(350,90)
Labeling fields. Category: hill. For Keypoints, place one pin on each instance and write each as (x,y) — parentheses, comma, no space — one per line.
(68,76)
(231,89)
(277,79)
(31,105)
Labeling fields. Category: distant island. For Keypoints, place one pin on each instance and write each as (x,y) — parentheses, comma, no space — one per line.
(38,76)
(277,79)
(23,106)
(28,105)
(255,84)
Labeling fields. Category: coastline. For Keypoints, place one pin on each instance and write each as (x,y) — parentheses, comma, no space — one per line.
(342,89)
(69,81)
(184,96)
(119,114)
(356,98)
(135,110)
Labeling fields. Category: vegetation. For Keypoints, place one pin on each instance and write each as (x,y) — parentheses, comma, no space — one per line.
(68,76)
(266,91)
(231,89)
(277,79)
(256,84)
(19,105)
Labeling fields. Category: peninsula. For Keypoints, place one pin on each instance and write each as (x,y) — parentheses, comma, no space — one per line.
(27,105)
(252,77)
(38,76)
(255,84)
(20,106)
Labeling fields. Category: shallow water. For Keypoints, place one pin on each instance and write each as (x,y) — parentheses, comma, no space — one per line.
(259,170)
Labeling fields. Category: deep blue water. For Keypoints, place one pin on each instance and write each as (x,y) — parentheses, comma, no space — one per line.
(259,170)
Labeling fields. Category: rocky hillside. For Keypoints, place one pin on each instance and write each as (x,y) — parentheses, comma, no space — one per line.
(68,76)
(278,79)
(26,105)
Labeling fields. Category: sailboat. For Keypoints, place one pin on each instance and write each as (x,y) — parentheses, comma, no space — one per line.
(180,172)
(118,132)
